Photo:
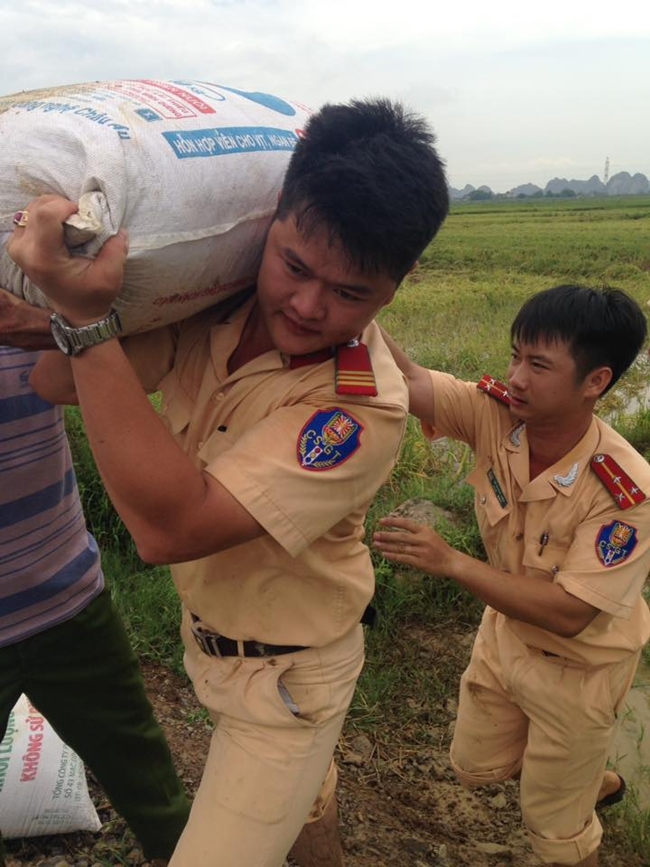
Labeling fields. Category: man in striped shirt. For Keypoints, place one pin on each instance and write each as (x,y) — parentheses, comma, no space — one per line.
(62,642)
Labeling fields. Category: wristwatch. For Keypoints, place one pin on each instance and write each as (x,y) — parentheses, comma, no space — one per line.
(72,341)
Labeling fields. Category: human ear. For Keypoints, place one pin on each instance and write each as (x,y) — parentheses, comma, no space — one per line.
(597,381)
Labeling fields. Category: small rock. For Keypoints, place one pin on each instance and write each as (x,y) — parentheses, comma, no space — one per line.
(363,745)
(360,752)
(499,801)
(415,846)
(492,848)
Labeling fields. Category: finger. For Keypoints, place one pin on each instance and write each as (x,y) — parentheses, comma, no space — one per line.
(59,205)
(46,218)
(401,523)
(106,271)
(117,246)
(40,237)
(399,557)
(393,538)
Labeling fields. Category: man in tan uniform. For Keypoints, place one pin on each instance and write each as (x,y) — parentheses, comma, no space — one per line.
(283,416)
(561,502)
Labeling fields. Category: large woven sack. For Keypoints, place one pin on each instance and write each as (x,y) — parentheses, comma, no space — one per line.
(42,781)
(191,170)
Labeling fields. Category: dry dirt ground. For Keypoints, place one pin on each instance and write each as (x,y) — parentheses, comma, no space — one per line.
(399,803)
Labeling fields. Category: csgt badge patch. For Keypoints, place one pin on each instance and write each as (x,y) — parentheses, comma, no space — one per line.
(328,439)
(615,543)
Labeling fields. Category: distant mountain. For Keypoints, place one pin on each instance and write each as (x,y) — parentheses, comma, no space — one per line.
(624,184)
(525,190)
(594,186)
(620,184)
(461,194)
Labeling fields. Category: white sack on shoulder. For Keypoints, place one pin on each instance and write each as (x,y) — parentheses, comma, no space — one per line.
(191,170)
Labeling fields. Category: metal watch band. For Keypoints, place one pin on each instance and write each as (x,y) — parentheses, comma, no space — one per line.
(86,336)
(98,332)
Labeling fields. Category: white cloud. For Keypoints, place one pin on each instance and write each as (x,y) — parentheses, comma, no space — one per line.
(511,89)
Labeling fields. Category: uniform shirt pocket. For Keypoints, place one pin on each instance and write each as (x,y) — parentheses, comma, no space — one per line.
(543,560)
(492,504)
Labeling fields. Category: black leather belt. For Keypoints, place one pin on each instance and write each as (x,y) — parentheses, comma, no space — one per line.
(220,645)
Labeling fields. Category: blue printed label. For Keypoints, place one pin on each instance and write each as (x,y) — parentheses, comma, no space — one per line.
(148,114)
(229,140)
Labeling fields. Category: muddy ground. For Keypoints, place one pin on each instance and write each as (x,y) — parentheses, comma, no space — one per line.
(399,803)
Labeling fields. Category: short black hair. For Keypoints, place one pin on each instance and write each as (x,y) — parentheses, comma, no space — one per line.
(368,173)
(602,327)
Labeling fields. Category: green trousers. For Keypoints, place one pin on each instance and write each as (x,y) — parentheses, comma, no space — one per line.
(84,678)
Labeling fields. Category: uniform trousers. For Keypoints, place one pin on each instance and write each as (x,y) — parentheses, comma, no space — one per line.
(549,718)
(84,678)
(277,721)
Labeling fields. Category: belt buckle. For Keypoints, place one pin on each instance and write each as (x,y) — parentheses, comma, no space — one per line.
(210,648)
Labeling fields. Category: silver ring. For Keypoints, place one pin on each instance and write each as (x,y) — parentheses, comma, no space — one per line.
(21,218)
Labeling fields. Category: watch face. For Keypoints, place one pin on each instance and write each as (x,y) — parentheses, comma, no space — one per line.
(59,335)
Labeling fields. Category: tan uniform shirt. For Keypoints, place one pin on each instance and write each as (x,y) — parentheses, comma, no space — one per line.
(559,525)
(304,461)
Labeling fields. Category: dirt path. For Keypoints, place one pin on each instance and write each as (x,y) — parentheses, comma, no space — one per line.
(400,804)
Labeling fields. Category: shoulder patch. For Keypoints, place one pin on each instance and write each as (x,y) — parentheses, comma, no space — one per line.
(354,374)
(623,490)
(615,542)
(495,389)
(329,438)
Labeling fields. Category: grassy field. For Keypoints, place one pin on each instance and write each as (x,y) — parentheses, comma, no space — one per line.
(452,314)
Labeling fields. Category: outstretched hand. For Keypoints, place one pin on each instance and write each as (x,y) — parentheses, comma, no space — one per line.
(415,545)
(81,289)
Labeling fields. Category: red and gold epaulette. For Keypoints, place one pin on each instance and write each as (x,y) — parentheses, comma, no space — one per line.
(618,483)
(495,389)
(354,374)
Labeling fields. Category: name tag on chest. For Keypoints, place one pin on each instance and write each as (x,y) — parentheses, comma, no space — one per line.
(498,490)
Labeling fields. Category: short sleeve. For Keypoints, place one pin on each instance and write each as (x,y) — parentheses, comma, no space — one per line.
(609,559)
(455,408)
(305,467)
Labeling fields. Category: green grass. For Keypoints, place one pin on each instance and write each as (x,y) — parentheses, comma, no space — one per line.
(588,239)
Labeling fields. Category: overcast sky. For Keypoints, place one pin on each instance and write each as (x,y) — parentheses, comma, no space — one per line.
(516,91)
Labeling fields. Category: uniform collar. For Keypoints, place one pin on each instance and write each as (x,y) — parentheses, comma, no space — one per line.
(563,476)
(295,361)
(225,335)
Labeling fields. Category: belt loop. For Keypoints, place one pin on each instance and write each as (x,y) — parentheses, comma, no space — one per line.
(215,645)
(240,648)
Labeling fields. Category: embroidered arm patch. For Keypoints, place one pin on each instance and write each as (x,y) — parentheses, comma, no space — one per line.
(615,542)
(329,438)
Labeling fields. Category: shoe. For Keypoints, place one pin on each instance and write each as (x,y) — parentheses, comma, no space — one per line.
(615,797)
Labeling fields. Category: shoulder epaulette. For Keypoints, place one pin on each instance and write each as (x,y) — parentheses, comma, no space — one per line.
(624,491)
(354,374)
(495,389)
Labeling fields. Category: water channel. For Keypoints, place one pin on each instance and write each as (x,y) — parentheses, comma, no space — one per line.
(631,753)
